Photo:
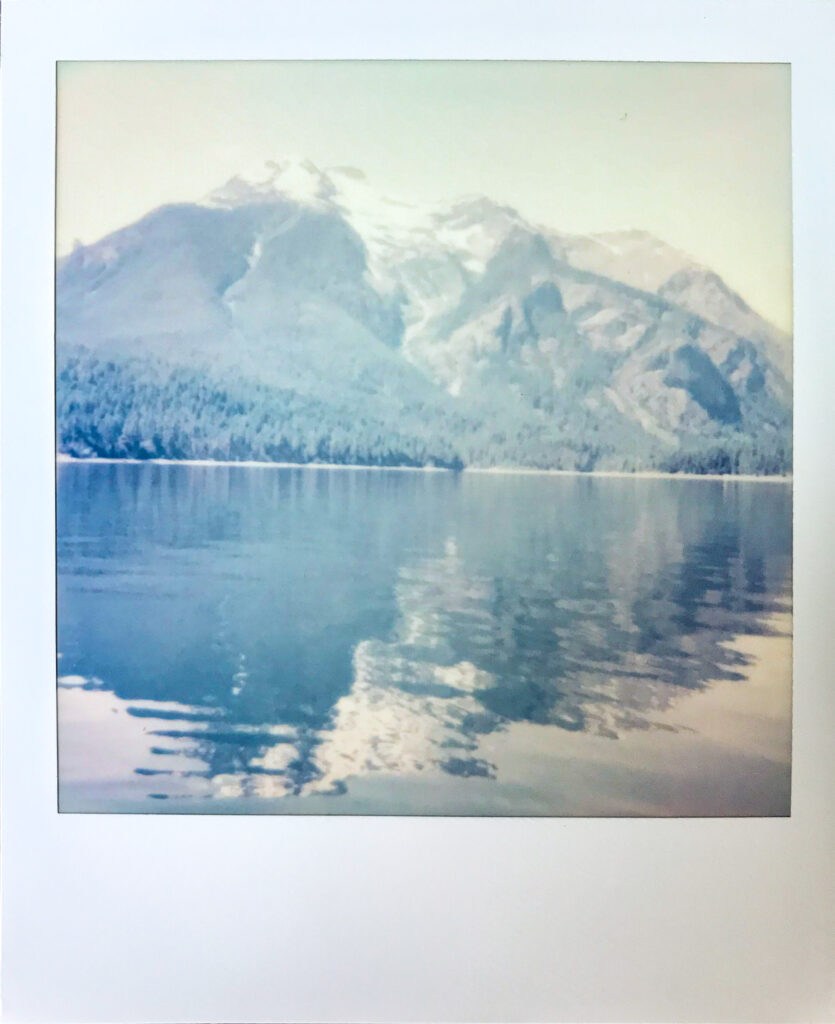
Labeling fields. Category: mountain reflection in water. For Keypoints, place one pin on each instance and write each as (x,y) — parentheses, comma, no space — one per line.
(236,634)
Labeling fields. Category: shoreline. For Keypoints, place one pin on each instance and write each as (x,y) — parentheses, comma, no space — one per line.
(644,474)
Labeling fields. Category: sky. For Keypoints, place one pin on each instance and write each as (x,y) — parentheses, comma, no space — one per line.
(697,154)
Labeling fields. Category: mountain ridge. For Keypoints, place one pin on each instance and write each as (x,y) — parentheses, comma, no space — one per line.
(454,334)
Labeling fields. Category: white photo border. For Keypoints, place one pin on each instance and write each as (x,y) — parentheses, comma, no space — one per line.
(204,918)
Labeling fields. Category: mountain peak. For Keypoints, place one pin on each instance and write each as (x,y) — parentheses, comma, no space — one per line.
(321,317)
(632,256)
(296,178)
(479,206)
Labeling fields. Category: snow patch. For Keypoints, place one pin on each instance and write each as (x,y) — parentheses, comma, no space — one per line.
(298,180)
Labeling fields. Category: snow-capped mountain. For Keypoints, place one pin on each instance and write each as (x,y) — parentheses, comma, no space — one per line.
(632,257)
(294,313)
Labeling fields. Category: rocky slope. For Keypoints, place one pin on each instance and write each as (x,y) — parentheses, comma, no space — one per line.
(294,314)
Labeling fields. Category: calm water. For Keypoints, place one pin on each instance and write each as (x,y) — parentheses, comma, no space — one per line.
(313,640)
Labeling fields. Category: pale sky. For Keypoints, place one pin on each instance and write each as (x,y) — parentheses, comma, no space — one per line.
(697,154)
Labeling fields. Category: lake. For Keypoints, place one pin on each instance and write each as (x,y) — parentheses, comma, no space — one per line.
(251,639)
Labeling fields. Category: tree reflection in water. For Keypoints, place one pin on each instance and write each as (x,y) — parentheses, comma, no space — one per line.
(287,631)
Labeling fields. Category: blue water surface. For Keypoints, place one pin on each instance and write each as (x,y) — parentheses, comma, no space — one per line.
(265,639)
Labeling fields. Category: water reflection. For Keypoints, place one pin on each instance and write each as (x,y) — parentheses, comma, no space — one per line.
(272,633)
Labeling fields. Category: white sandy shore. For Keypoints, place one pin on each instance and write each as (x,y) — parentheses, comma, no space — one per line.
(495,470)
(644,474)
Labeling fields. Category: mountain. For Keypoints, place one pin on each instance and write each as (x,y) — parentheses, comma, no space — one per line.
(637,259)
(296,315)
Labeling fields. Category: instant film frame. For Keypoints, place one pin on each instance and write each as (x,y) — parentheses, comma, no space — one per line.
(111,917)
(393,506)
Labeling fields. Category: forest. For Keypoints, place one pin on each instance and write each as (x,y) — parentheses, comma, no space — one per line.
(149,409)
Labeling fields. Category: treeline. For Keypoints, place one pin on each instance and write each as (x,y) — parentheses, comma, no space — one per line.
(147,409)
(769,455)
(142,410)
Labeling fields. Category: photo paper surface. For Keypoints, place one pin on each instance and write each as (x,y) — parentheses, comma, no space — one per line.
(424,438)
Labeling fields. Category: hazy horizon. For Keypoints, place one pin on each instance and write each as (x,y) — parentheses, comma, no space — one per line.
(698,155)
